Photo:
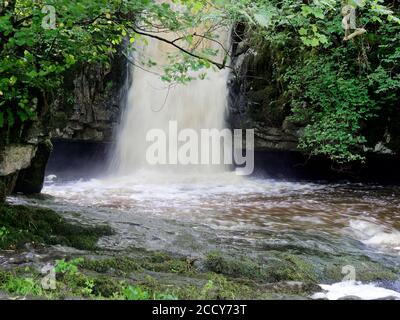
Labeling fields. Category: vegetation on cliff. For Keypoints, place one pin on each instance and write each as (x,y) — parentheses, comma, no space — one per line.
(343,89)
(339,77)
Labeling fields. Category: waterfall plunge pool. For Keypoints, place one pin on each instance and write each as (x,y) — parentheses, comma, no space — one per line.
(347,232)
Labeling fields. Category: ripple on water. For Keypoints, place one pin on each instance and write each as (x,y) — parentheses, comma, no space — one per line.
(226,211)
(226,201)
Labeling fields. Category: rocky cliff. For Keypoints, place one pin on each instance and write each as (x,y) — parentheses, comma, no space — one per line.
(88,109)
(257,99)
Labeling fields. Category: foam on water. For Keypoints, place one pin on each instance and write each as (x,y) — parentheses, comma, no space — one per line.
(362,291)
(152,186)
(373,233)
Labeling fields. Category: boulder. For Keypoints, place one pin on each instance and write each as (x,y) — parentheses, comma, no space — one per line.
(15,157)
(30,180)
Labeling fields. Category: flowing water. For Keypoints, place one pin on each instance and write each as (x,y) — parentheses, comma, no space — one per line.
(193,212)
(152,103)
(330,225)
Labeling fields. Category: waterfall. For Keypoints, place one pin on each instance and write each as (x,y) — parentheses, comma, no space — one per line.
(152,103)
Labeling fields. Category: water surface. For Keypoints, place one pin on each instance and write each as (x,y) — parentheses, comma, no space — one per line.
(194,215)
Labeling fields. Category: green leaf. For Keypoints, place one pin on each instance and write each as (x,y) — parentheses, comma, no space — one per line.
(302,31)
(12,80)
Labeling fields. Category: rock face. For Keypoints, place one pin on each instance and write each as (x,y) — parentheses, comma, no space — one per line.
(87,109)
(13,158)
(256,100)
(30,180)
(260,101)
(16,157)
(91,105)
(22,154)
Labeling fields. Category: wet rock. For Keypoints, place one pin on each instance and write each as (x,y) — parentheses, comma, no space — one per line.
(89,108)
(366,269)
(257,100)
(389,298)
(7,184)
(276,267)
(13,158)
(293,287)
(16,157)
(350,298)
(32,224)
(31,179)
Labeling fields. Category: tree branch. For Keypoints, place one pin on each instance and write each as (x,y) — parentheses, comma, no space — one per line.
(172,43)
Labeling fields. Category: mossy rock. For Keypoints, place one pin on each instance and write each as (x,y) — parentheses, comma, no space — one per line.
(105,287)
(115,264)
(277,267)
(290,267)
(241,267)
(365,270)
(150,261)
(22,224)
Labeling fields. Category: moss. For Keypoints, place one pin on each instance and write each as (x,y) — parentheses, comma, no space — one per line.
(217,287)
(162,262)
(105,287)
(87,283)
(209,286)
(118,264)
(278,267)
(290,267)
(4,277)
(365,270)
(293,288)
(284,266)
(30,224)
(242,267)
(151,261)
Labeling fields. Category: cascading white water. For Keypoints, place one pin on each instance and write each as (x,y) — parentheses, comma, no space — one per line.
(152,103)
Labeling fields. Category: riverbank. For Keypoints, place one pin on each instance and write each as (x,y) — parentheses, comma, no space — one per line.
(27,236)
(46,242)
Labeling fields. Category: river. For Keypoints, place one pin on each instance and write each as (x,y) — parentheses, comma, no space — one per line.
(335,226)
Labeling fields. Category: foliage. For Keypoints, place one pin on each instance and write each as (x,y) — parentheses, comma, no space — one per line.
(3,233)
(334,103)
(36,54)
(40,41)
(335,88)
(23,286)
(135,293)
(70,267)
